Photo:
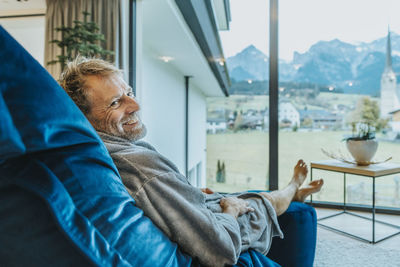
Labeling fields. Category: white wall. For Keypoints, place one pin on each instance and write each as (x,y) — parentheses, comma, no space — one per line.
(197,131)
(162,97)
(160,89)
(29,32)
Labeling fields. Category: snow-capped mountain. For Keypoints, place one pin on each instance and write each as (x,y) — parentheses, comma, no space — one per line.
(355,68)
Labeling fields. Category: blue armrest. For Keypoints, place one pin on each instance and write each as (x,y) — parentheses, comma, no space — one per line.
(297,249)
(299,225)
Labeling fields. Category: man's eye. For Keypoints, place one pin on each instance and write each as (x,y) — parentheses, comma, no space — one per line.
(130,94)
(114,103)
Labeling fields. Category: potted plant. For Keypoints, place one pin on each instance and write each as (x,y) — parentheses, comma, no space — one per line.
(362,144)
(82,39)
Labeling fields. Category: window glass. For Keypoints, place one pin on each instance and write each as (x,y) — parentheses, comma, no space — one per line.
(237,126)
(336,69)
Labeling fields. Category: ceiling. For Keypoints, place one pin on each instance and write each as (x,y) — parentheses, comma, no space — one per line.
(14,7)
(167,34)
(164,31)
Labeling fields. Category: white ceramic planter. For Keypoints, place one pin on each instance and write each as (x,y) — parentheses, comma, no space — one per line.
(362,150)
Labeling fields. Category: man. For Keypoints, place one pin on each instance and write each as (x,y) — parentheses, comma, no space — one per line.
(209,226)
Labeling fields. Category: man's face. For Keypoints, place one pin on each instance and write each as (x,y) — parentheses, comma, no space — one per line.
(113,108)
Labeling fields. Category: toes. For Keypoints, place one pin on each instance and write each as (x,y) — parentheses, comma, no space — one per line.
(320,182)
(301,164)
(317,183)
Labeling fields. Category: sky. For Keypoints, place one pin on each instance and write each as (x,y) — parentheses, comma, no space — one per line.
(302,23)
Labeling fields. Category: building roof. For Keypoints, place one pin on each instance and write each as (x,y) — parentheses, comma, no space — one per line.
(187,32)
(219,120)
(222,12)
(394,111)
(316,114)
(199,16)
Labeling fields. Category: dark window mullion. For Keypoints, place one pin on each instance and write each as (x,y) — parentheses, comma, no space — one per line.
(132,45)
(273,95)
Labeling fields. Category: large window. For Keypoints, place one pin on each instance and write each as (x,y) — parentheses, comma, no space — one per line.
(333,56)
(237,127)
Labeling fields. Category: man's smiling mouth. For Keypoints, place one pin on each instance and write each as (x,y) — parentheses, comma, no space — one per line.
(131,121)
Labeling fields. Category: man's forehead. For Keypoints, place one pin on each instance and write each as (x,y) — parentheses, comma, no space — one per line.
(98,83)
(106,88)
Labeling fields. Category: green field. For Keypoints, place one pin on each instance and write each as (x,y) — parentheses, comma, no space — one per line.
(246,158)
(260,102)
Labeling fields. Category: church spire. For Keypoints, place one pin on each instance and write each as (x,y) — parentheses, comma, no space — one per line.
(388,64)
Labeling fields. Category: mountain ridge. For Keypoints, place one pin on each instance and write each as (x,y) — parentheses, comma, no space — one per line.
(354,68)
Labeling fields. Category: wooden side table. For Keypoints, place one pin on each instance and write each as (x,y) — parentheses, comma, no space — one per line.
(373,171)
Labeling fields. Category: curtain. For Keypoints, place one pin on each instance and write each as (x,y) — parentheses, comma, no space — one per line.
(105,13)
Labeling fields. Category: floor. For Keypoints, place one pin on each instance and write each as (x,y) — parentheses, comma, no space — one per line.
(360,227)
(335,249)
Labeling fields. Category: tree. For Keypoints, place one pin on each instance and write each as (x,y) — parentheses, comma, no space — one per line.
(81,39)
(223,172)
(307,122)
(367,111)
(220,172)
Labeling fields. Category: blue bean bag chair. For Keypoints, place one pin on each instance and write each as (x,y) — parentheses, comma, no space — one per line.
(62,199)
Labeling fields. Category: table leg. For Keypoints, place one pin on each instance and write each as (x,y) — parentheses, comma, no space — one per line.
(311,181)
(373,210)
(344,191)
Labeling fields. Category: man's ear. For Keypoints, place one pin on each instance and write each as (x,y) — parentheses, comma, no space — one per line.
(91,119)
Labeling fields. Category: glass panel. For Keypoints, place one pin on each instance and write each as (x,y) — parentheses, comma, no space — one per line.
(237,126)
(335,70)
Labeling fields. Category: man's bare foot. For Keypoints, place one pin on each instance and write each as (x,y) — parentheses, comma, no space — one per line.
(309,189)
(300,173)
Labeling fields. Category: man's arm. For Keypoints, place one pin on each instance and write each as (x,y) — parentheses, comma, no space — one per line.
(235,206)
(231,205)
(180,211)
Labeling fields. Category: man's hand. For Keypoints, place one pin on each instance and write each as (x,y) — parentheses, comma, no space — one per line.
(235,206)
(207,191)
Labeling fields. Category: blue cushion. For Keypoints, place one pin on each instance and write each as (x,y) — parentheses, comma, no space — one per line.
(10,140)
(63,161)
(252,258)
(299,225)
(25,216)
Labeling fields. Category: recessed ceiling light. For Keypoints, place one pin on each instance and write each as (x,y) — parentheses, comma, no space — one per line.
(166,59)
(220,60)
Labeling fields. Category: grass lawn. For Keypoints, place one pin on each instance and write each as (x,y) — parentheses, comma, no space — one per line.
(246,159)
(259,102)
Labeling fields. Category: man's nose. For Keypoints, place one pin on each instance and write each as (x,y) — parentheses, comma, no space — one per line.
(132,105)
